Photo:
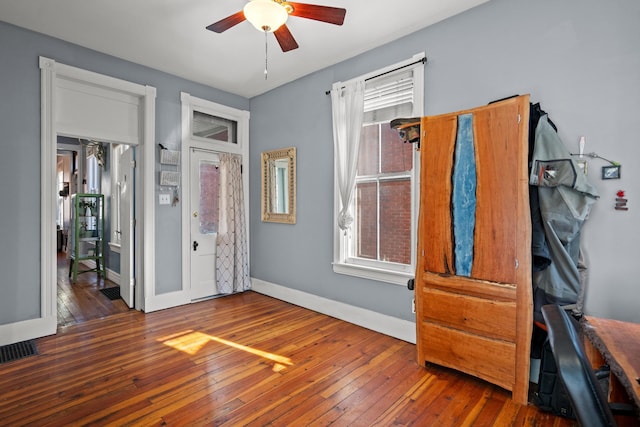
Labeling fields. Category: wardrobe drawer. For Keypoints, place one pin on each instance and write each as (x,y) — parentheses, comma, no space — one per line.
(486,358)
(487,317)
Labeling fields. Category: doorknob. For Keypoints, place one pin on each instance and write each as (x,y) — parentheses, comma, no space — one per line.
(195,245)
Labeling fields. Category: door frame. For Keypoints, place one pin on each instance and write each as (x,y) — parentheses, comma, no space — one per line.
(241,117)
(144,253)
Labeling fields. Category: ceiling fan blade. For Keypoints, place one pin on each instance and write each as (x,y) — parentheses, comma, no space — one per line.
(226,23)
(285,38)
(332,15)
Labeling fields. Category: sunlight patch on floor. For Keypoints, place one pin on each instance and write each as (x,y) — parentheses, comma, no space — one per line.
(191,342)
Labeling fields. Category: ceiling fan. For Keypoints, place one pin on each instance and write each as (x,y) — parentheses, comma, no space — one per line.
(271,15)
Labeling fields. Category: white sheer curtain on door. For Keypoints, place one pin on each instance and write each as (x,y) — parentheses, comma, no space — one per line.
(232,259)
(347,103)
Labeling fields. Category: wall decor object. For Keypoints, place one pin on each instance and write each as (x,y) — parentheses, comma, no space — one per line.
(279,186)
(611,172)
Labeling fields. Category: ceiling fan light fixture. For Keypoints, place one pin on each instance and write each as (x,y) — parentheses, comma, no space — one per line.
(265,15)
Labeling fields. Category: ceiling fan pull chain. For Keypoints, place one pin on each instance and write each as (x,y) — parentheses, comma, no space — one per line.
(266,64)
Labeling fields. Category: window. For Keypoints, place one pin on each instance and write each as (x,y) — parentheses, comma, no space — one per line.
(94,163)
(93,175)
(211,127)
(380,244)
(383,196)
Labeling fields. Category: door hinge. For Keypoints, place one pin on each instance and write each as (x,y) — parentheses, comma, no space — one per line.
(133,164)
(519,118)
(517,264)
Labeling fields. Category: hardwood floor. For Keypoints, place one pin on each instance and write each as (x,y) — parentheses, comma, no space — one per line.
(245,359)
(82,301)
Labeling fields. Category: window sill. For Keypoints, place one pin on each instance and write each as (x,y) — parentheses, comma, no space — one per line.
(115,247)
(387,276)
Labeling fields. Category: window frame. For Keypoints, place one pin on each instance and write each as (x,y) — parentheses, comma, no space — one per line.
(193,104)
(343,260)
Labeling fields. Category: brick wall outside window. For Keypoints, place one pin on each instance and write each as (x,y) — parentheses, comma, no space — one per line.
(382,152)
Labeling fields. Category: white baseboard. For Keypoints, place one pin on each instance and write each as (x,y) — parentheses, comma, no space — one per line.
(111,275)
(27,330)
(388,325)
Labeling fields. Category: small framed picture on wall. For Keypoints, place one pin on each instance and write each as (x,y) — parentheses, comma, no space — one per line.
(611,172)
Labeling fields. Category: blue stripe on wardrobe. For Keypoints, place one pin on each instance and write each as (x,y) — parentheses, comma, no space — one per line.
(464,196)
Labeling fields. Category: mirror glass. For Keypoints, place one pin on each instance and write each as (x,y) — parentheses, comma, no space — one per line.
(279,186)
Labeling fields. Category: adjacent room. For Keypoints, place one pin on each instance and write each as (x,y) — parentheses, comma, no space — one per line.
(261,212)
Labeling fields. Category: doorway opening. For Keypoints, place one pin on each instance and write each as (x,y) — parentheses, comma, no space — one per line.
(89,247)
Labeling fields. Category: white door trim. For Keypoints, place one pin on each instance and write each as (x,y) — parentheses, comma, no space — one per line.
(189,104)
(145,208)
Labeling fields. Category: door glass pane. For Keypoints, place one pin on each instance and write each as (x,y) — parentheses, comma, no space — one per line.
(209,205)
(212,127)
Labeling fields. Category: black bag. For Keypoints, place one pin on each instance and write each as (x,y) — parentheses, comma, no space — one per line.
(551,396)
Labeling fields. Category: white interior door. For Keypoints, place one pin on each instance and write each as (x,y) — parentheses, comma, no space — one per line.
(127,185)
(204,191)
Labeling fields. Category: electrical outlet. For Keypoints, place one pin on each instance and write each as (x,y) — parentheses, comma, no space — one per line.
(164,199)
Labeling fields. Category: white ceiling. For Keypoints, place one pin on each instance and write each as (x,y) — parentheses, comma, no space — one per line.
(170,35)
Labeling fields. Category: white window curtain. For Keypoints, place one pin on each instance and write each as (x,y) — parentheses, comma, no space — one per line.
(232,259)
(347,103)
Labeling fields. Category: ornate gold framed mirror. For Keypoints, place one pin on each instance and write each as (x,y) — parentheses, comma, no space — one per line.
(279,186)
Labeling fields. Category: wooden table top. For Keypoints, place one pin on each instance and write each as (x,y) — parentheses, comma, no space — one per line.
(619,344)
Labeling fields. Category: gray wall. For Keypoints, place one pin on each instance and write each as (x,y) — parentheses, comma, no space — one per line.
(578,58)
(20,159)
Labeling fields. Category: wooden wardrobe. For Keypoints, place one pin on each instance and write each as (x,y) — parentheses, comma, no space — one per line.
(473,291)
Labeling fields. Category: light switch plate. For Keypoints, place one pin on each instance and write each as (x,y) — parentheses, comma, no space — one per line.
(165,199)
